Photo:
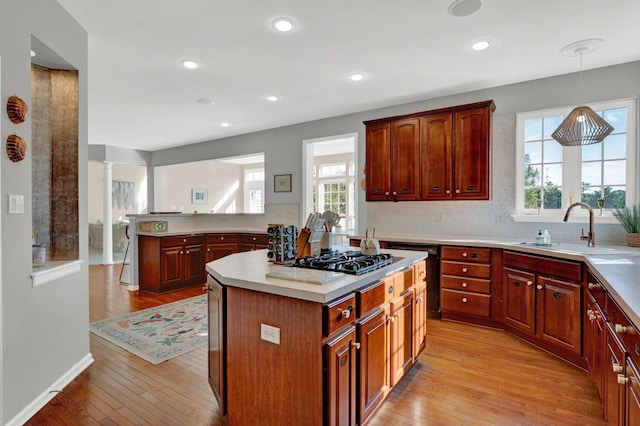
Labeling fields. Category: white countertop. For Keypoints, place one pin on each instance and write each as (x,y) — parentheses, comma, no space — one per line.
(247,270)
(216,230)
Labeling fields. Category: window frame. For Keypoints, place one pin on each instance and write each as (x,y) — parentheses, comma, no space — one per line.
(572,166)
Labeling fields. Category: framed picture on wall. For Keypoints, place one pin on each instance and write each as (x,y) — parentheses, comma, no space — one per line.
(282,183)
(199,196)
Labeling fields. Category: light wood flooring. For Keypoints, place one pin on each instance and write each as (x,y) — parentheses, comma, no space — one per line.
(467,376)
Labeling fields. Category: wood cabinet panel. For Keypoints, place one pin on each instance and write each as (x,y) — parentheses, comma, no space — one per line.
(340,364)
(563,269)
(471,154)
(437,162)
(632,399)
(419,320)
(466,303)
(369,298)
(614,402)
(171,266)
(466,254)
(401,336)
(218,250)
(475,285)
(405,160)
(559,313)
(373,379)
(519,300)
(464,269)
(338,313)
(378,162)
(216,353)
(595,343)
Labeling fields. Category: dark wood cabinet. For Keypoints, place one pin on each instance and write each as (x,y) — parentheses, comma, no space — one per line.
(216,358)
(614,365)
(220,245)
(632,394)
(340,376)
(543,303)
(420,310)
(595,343)
(401,337)
(250,242)
(372,359)
(167,263)
(443,154)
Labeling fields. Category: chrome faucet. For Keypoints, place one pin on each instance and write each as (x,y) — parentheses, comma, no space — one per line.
(591,237)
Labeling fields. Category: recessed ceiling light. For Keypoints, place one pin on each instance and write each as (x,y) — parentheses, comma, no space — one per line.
(189,64)
(272,98)
(33,53)
(480,45)
(356,77)
(462,8)
(224,124)
(204,101)
(283,24)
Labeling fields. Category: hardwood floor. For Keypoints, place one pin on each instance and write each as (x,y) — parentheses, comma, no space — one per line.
(466,376)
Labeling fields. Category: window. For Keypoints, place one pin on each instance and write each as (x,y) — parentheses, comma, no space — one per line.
(333,189)
(550,177)
(254,190)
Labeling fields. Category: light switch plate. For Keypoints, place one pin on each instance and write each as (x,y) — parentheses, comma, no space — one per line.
(16,204)
(270,333)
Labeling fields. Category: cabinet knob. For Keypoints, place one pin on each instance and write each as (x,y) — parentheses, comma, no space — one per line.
(591,315)
(448,191)
(465,254)
(540,286)
(181,252)
(392,318)
(464,269)
(622,380)
(457,191)
(356,345)
(464,300)
(395,193)
(621,328)
(593,286)
(187,251)
(221,238)
(617,368)
(529,282)
(386,193)
(184,240)
(419,299)
(208,249)
(346,313)
(254,238)
(464,285)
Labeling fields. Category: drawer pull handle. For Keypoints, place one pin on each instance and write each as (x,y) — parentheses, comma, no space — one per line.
(557,295)
(181,252)
(540,286)
(622,380)
(221,238)
(457,191)
(464,285)
(591,315)
(636,349)
(617,368)
(529,282)
(346,313)
(184,240)
(593,286)
(356,345)
(621,328)
(420,299)
(465,269)
(390,289)
(474,255)
(464,254)
(464,300)
(516,283)
(448,191)
(392,318)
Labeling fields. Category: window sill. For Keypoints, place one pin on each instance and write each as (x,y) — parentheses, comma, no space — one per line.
(557,219)
(54,271)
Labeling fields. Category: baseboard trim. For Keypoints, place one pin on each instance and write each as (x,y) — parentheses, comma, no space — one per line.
(43,399)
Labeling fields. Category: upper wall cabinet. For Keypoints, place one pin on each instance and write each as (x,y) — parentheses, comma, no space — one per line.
(442,154)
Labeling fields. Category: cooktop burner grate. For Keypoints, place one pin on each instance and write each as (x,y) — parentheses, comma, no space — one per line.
(349,262)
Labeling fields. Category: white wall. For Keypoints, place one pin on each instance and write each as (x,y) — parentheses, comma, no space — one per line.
(121,172)
(45,330)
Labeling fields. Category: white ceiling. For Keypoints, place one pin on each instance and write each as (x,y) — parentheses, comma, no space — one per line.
(409,50)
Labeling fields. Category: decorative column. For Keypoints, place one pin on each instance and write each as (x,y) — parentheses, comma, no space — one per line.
(107,212)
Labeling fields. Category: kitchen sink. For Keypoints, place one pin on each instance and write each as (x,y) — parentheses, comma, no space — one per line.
(533,243)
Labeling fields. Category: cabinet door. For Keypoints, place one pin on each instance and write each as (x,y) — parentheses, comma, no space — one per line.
(372,363)
(194,271)
(419,321)
(595,344)
(378,162)
(436,162)
(405,160)
(171,266)
(217,251)
(559,313)
(216,357)
(632,403)
(471,154)
(401,337)
(615,391)
(340,379)
(519,300)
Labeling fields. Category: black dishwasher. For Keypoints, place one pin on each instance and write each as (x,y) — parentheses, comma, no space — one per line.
(433,273)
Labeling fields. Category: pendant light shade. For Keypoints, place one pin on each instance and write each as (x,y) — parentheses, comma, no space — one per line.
(582,127)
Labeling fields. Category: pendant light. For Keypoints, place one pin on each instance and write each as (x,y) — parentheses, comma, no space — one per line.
(582,126)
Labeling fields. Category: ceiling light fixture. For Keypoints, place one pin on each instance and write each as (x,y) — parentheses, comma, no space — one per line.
(272,98)
(460,8)
(189,64)
(356,77)
(283,24)
(224,124)
(582,126)
(204,101)
(480,45)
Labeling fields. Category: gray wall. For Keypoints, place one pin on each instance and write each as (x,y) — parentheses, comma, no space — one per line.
(44,329)
(283,154)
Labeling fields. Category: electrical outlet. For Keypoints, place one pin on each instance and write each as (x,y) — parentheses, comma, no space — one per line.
(270,333)
(16,204)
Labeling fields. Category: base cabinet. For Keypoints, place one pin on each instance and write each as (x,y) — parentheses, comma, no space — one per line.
(340,376)
(373,382)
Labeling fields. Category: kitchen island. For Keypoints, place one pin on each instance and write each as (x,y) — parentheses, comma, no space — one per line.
(289,351)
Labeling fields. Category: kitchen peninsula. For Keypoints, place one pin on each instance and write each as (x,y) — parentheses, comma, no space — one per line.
(283,349)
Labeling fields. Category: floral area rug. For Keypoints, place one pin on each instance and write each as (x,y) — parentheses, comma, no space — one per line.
(160,333)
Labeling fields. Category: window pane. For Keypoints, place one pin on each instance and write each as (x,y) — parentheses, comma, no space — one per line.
(617,118)
(553,174)
(615,147)
(532,176)
(531,198)
(592,152)
(615,172)
(552,152)
(552,198)
(533,129)
(591,173)
(533,152)
(550,126)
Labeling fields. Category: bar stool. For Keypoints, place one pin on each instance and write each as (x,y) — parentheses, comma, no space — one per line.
(126,252)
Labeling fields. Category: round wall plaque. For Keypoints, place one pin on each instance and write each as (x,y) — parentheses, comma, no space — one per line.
(17,109)
(16,148)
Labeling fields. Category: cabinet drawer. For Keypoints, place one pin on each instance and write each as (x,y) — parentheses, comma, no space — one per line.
(181,240)
(475,285)
(466,254)
(370,298)
(597,290)
(254,238)
(571,271)
(338,313)
(222,238)
(623,328)
(466,303)
(464,269)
